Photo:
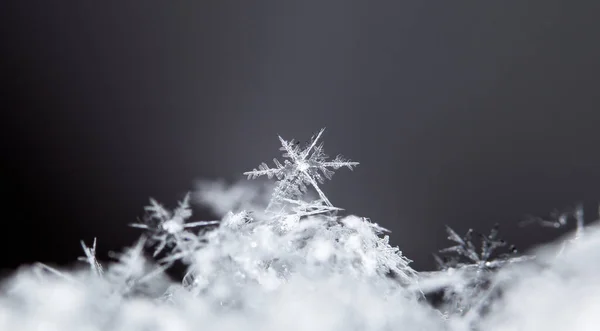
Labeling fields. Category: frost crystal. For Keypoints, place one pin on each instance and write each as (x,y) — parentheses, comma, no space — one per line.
(466,254)
(132,273)
(90,258)
(169,229)
(303,167)
(472,289)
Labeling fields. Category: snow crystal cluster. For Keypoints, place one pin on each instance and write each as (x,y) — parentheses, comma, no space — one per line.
(291,260)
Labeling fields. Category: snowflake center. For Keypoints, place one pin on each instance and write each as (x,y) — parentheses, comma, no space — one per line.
(303,166)
(172,226)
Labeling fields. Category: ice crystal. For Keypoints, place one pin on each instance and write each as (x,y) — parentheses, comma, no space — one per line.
(132,274)
(90,258)
(168,229)
(303,167)
(290,214)
(473,289)
(466,254)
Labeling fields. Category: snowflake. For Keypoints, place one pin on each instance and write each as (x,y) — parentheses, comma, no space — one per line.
(465,250)
(169,228)
(303,167)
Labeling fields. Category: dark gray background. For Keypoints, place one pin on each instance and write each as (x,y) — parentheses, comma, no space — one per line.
(461,112)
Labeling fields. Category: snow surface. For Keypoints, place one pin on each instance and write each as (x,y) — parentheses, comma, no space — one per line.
(290,260)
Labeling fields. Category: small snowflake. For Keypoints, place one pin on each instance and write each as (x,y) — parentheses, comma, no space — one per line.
(169,228)
(473,288)
(468,255)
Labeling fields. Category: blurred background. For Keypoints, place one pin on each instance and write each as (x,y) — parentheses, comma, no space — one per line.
(463,113)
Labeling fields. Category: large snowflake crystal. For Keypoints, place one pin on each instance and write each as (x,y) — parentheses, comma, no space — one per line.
(302,167)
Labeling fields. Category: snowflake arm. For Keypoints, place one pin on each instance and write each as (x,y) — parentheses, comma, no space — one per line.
(90,258)
(157,211)
(312,144)
(464,245)
(303,208)
(39,267)
(200,223)
(290,149)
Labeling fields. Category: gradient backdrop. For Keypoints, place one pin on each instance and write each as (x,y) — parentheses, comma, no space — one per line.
(461,112)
